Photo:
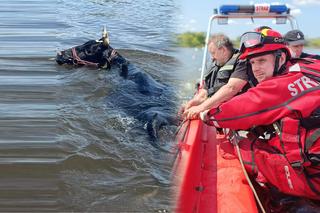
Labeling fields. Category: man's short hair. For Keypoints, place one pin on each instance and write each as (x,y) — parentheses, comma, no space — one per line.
(220,40)
(294,37)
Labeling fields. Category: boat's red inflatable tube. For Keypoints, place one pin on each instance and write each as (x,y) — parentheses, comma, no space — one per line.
(207,177)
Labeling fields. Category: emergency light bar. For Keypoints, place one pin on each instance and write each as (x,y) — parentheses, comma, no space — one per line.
(256,8)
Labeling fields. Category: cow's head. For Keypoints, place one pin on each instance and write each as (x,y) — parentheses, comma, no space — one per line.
(64,57)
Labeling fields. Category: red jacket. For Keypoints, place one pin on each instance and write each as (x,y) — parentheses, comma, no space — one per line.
(269,101)
(289,161)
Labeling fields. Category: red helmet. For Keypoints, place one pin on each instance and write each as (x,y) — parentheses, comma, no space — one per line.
(258,43)
(259,29)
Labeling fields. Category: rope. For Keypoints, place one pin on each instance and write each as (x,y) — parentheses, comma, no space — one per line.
(77,60)
(247,177)
(179,127)
(180,139)
(113,54)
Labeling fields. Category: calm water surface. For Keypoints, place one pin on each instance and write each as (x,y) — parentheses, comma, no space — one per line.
(64,146)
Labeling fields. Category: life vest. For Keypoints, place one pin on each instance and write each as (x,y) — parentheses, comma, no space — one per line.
(218,76)
(290,159)
(291,162)
(310,56)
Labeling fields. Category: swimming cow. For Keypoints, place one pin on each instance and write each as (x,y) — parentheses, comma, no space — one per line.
(139,86)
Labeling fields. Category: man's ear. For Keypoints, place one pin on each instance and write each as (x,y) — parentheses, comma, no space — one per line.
(282,59)
(223,48)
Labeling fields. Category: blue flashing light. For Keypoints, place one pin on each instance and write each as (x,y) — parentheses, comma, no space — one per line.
(278,8)
(226,9)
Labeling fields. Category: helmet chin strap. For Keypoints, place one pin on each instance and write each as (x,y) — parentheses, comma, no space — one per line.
(277,70)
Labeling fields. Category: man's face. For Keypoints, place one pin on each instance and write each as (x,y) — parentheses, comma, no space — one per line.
(295,50)
(263,66)
(217,54)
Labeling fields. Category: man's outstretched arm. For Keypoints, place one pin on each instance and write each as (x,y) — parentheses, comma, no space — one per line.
(225,93)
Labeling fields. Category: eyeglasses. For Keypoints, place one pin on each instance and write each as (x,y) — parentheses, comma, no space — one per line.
(256,39)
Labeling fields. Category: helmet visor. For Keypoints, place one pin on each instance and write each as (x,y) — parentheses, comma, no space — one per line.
(250,40)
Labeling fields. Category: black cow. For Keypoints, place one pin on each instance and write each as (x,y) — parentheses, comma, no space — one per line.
(101,55)
(95,53)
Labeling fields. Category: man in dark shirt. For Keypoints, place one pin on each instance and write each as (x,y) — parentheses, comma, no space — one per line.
(225,78)
(295,41)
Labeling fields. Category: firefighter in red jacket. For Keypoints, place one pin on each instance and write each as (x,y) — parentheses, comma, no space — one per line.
(281,114)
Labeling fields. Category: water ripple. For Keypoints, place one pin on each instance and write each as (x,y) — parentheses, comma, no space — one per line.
(63,148)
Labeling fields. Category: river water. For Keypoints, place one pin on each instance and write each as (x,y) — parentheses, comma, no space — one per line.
(64,145)
(69,141)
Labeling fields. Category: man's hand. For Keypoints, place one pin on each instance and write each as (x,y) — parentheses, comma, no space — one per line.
(184,107)
(192,112)
(199,98)
(181,111)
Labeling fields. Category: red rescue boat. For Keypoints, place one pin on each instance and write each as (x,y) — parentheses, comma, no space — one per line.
(207,174)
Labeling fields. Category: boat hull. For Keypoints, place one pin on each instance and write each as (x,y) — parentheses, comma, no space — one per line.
(207,176)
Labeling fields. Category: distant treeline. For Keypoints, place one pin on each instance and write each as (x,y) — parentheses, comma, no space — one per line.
(191,39)
(197,39)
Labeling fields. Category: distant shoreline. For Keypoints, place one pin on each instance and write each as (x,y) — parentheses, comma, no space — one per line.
(197,39)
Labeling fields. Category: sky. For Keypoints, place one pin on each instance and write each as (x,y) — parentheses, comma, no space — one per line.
(194,16)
